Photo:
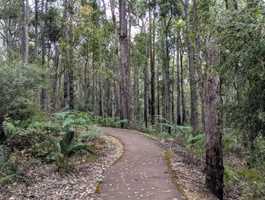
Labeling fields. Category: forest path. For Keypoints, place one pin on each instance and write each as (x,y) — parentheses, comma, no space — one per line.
(141,173)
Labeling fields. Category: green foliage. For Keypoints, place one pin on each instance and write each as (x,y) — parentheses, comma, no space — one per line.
(64,148)
(52,139)
(251,180)
(8,172)
(17,86)
(256,156)
(90,134)
(110,121)
(230,175)
(73,119)
(242,42)
(8,167)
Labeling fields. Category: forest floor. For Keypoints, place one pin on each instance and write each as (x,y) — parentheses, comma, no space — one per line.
(43,182)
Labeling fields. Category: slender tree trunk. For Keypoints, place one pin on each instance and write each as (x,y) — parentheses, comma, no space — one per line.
(213,130)
(43,92)
(71,89)
(124,62)
(2,131)
(152,64)
(65,89)
(25,31)
(55,77)
(178,80)
(158,93)
(172,91)
(146,85)
(183,117)
(36,28)
(146,95)
(136,93)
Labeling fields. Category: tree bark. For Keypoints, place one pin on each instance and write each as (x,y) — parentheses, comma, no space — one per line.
(25,31)
(166,77)
(2,131)
(124,63)
(36,28)
(146,94)
(183,105)
(194,118)
(68,56)
(55,77)
(213,125)
(178,80)
(152,64)
(116,82)
(213,130)
(43,92)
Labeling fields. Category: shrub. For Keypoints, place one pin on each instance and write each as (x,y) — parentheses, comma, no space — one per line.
(64,148)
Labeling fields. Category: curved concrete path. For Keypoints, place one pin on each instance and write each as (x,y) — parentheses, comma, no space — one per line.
(141,173)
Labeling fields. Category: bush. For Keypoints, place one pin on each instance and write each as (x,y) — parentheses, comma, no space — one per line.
(64,148)
(72,119)
(114,122)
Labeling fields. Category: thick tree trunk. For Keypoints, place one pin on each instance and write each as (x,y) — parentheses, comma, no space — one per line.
(116,83)
(166,77)
(68,56)
(194,118)
(213,130)
(124,63)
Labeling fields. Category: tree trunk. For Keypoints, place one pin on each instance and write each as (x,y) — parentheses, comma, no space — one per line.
(194,118)
(152,65)
(116,83)
(68,56)
(2,131)
(146,85)
(183,106)
(36,28)
(124,63)
(55,77)
(178,80)
(213,130)
(146,95)
(65,90)
(71,88)
(25,31)
(43,92)
(166,77)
